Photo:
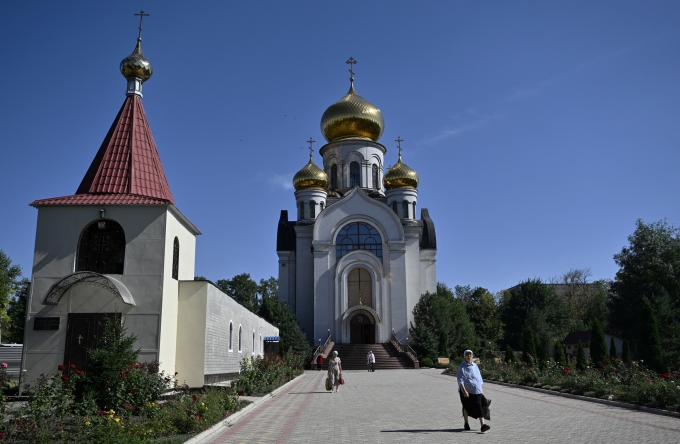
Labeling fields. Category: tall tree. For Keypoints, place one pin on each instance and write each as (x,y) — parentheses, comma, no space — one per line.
(9,284)
(598,345)
(650,348)
(482,309)
(626,355)
(533,304)
(14,332)
(649,268)
(586,300)
(242,288)
(445,319)
(613,352)
(528,346)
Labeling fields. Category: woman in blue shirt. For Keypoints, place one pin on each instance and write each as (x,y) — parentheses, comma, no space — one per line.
(470,390)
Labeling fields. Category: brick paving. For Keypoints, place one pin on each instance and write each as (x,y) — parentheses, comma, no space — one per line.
(394,406)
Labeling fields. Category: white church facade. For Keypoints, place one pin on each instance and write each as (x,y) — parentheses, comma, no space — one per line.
(356,261)
(120,247)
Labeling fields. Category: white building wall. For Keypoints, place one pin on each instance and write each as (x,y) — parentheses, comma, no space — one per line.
(304,280)
(413,275)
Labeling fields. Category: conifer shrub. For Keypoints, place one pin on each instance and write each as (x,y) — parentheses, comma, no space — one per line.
(509,355)
(558,354)
(426,362)
(613,352)
(528,346)
(650,341)
(581,360)
(540,354)
(626,355)
(598,346)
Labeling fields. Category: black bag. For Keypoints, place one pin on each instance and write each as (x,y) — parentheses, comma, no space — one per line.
(486,408)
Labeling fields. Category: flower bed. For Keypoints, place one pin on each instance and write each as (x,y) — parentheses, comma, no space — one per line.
(630,383)
(263,375)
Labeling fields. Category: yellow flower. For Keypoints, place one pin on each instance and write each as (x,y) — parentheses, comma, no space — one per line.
(112,411)
(87,422)
(117,419)
(203,403)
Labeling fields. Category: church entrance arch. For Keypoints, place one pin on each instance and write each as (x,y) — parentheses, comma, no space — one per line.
(361,328)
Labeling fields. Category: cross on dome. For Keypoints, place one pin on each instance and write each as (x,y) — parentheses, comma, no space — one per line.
(399,140)
(351,62)
(311,150)
(141,17)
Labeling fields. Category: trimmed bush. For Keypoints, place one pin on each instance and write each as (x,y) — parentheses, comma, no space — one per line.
(613,352)
(426,362)
(528,346)
(598,345)
(509,354)
(581,360)
(558,354)
(626,355)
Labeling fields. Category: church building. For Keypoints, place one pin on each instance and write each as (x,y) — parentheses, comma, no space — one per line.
(119,247)
(356,261)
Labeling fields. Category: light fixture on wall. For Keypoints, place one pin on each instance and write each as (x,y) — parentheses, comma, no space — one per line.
(102,212)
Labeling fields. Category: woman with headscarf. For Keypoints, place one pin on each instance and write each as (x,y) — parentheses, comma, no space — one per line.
(334,371)
(470,390)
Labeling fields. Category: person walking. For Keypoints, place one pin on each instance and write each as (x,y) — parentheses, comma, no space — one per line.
(371,362)
(470,390)
(319,362)
(335,371)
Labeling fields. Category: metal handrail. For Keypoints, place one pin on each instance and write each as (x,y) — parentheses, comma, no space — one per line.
(404,348)
(319,350)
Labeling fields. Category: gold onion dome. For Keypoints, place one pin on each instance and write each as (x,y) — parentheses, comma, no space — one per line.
(400,176)
(310,176)
(352,116)
(136,65)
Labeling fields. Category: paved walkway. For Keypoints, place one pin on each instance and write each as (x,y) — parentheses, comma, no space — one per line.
(422,406)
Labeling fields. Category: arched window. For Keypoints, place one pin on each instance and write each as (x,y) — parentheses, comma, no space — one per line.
(102,248)
(253,342)
(354,174)
(175,259)
(394,207)
(240,330)
(376,185)
(334,176)
(359,288)
(404,209)
(358,236)
(321,207)
(231,336)
(301,211)
(414,210)
(312,209)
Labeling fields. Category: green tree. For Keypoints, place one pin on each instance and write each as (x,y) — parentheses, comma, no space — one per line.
(242,288)
(626,355)
(650,348)
(9,284)
(483,312)
(613,352)
(528,346)
(598,345)
(14,332)
(540,354)
(509,354)
(586,300)
(649,268)
(534,304)
(558,354)
(581,360)
(445,319)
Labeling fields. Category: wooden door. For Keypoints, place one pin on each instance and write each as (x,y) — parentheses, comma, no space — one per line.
(82,332)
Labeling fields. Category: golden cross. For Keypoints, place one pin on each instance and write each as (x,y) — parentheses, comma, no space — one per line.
(351,62)
(399,140)
(311,150)
(141,17)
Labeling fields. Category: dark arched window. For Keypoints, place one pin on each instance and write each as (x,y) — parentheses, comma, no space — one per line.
(354,174)
(334,176)
(358,236)
(312,209)
(376,185)
(394,207)
(404,209)
(231,336)
(414,210)
(175,259)
(321,205)
(253,342)
(301,214)
(102,248)
(240,330)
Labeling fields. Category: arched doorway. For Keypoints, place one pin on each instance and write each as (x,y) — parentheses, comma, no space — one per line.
(361,329)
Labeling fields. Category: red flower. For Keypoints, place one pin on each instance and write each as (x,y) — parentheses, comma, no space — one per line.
(64,378)
(665,376)
(73,366)
(2,435)
(61,367)
(198,418)
(193,398)
(134,392)
(240,392)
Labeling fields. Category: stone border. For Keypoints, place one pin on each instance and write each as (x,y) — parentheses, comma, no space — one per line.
(620,404)
(212,433)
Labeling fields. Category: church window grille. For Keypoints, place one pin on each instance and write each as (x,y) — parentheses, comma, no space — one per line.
(240,330)
(312,209)
(376,185)
(102,248)
(394,207)
(358,236)
(404,209)
(354,174)
(359,288)
(414,210)
(334,176)
(231,336)
(175,259)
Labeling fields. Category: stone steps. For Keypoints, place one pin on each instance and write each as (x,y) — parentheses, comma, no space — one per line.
(353,357)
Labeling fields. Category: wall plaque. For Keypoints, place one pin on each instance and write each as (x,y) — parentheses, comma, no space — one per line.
(46,323)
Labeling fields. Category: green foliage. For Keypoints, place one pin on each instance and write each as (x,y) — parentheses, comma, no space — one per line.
(13,331)
(534,304)
(540,354)
(586,300)
(650,342)
(426,362)
(613,352)
(528,346)
(626,355)
(558,354)
(242,288)
(598,345)
(482,311)
(509,354)
(9,284)
(581,360)
(441,325)
(263,375)
(648,269)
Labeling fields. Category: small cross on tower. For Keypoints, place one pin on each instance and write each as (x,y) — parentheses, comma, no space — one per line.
(351,62)
(311,150)
(399,140)
(141,17)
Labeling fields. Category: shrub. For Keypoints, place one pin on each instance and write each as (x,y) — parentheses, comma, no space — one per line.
(581,360)
(528,346)
(598,345)
(261,375)
(650,341)
(509,354)
(558,354)
(613,352)
(626,356)
(426,362)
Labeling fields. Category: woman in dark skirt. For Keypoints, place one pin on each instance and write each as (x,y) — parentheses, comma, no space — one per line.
(470,391)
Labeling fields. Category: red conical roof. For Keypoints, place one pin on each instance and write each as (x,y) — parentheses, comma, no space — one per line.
(127,168)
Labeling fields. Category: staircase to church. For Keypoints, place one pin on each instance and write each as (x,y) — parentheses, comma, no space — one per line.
(353,357)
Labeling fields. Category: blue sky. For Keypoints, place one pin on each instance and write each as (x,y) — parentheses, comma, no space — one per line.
(540,130)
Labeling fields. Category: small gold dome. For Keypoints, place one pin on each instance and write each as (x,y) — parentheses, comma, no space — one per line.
(136,65)
(400,176)
(310,176)
(352,116)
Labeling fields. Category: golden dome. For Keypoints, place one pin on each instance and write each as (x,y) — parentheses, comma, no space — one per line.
(400,176)
(136,65)
(352,116)
(310,176)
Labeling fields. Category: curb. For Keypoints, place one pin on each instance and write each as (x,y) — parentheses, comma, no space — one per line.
(211,433)
(623,405)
